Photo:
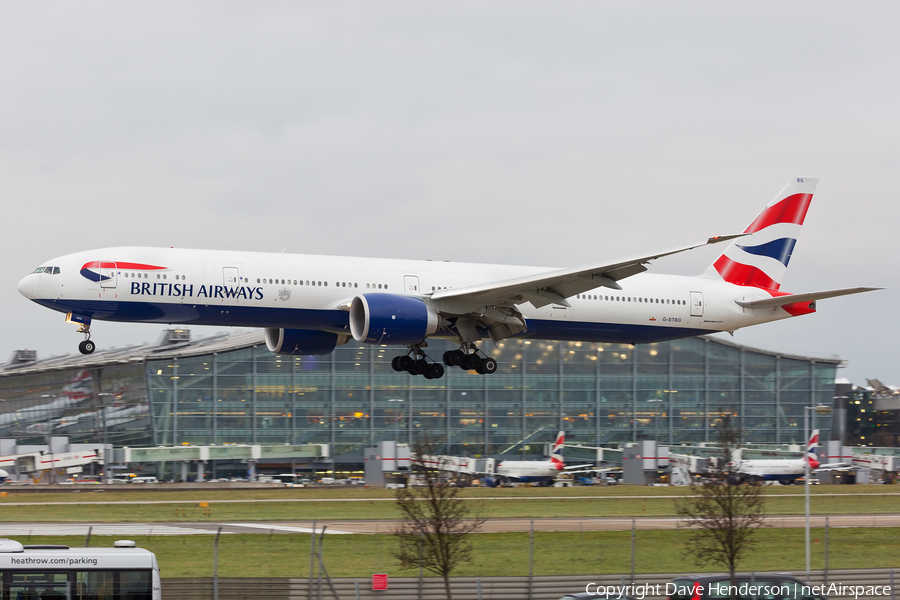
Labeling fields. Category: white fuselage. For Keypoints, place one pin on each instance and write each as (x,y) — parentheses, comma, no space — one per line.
(787,469)
(225,288)
(527,470)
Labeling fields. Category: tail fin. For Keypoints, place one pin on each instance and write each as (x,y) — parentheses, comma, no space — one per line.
(760,258)
(556,456)
(811,454)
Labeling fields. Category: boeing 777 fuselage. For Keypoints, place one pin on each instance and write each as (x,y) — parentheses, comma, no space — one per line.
(310,304)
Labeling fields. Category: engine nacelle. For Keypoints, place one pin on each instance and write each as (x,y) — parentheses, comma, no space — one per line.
(302,341)
(391,319)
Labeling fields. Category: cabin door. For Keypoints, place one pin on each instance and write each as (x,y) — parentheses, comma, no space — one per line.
(696,304)
(411,285)
(107,274)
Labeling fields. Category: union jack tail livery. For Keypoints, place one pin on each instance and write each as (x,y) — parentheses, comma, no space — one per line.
(760,258)
(811,454)
(556,456)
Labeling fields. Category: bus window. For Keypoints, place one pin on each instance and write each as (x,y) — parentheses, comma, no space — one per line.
(26,585)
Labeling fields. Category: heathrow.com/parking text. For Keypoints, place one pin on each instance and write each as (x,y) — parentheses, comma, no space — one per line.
(69,562)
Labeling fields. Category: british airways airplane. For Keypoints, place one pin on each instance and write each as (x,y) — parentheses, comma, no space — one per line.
(788,470)
(311,304)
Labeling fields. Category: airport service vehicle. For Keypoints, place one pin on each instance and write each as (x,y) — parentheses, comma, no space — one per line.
(123,572)
(757,587)
(310,304)
(788,470)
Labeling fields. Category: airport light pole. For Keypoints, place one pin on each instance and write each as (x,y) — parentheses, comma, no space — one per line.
(52,478)
(822,409)
(102,395)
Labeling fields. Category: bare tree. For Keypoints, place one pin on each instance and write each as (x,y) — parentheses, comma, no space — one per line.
(437,525)
(723,512)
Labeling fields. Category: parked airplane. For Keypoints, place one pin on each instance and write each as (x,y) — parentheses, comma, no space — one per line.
(310,304)
(542,472)
(3,475)
(788,470)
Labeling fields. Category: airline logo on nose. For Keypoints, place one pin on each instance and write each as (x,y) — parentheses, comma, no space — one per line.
(95,271)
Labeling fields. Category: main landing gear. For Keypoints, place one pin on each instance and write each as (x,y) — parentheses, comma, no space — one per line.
(415,362)
(467,359)
(87,346)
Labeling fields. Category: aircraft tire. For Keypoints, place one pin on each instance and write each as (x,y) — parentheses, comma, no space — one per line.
(420,367)
(471,362)
(87,347)
(457,357)
(405,362)
(395,363)
(435,371)
(488,366)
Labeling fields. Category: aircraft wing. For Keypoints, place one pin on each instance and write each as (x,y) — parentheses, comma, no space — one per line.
(834,467)
(794,298)
(596,470)
(555,286)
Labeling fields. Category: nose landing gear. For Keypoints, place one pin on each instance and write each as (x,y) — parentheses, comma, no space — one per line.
(87,346)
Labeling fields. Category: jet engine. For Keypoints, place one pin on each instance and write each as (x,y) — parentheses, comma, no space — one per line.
(391,319)
(302,341)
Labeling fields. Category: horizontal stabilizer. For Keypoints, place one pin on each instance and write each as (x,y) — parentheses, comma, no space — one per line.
(794,298)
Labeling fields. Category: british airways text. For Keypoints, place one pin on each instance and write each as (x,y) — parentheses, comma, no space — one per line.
(184,290)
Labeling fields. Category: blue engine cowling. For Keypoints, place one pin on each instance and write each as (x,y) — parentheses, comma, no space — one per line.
(391,319)
(302,341)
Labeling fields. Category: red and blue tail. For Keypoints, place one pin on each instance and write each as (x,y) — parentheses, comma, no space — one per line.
(761,258)
(811,454)
(556,456)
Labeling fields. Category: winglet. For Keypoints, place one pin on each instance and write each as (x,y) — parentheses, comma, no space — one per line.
(724,238)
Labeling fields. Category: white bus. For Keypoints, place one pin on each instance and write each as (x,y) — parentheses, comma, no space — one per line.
(123,572)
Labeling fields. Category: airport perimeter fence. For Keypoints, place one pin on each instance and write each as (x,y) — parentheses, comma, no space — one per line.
(472,588)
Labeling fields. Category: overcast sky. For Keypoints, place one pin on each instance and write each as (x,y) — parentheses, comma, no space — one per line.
(523,132)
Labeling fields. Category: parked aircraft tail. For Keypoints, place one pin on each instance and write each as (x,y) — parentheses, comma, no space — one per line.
(760,258)
(556,456)
(811,452)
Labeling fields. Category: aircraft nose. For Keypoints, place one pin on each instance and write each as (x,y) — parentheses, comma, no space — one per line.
(26,286)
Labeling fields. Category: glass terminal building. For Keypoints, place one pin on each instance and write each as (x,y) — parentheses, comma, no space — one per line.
(231,389)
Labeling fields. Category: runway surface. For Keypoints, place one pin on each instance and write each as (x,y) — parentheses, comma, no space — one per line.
(383,527)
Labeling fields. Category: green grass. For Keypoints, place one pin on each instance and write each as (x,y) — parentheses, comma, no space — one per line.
(165,492)
(376,504)
(496,554)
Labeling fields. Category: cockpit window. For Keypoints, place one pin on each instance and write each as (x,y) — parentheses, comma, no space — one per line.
(40,269)
(50,270)
(56,270)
